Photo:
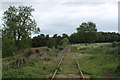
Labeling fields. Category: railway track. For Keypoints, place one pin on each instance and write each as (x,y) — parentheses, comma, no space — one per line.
(60,64)
(54,74)
(81,73)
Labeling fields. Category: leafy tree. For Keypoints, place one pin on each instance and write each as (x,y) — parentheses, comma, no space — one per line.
(88,32)
(18,25)
(51,43)
(108,37)
(59,40)
(55,36)
(35,41)
(65,36)
(87,27)
(64,42)
(8,47)
(74,38)
(47,37)
(40,40)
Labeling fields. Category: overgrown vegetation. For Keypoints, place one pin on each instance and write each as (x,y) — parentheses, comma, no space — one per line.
(17,27)
(35,67)
(100,60)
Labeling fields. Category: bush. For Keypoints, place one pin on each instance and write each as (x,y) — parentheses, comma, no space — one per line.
(8,47)
(37,51)
(28,53)
(64,42)
(114,44)
(51,43)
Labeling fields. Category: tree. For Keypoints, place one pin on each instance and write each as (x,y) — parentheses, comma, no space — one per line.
(108,37)
(42,40)
(65,36)
(59,39)
(18,25)
(8,47)
(74,38)
(55,36)
(47,38)
(51,43)
(35,41)
(64,42)
(87,32)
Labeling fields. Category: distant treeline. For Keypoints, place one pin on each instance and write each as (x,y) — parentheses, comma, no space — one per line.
(101,37)
(75,38)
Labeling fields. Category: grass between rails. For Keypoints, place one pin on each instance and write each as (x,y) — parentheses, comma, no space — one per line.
(68,65)
(101,60)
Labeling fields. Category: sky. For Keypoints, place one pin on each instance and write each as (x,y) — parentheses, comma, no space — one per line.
(65,17)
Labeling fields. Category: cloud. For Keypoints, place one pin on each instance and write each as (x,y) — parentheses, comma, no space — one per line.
(65,17)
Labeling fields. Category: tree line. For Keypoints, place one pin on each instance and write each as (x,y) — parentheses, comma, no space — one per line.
(54,41)
(75,38)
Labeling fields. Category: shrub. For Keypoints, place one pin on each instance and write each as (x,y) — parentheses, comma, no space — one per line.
(114,44)
(37,51)
(28,53)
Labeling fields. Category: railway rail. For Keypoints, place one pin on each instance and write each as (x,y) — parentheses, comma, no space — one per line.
(53,76)
(77,65)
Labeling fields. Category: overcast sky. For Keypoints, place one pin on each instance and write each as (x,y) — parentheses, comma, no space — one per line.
(65,17)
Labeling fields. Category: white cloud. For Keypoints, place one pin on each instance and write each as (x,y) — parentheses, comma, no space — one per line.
(65,16)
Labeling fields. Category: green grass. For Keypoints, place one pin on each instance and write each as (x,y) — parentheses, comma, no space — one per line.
(68,65)
(97,64)
(83,46)
(100,59)
(97,59)
(33,69)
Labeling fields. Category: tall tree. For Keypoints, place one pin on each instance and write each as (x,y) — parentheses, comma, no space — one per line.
(18,25)
(88,32)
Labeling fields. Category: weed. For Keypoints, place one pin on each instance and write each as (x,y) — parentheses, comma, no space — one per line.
(102,59)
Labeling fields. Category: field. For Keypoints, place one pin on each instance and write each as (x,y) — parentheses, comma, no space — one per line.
(99,60)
